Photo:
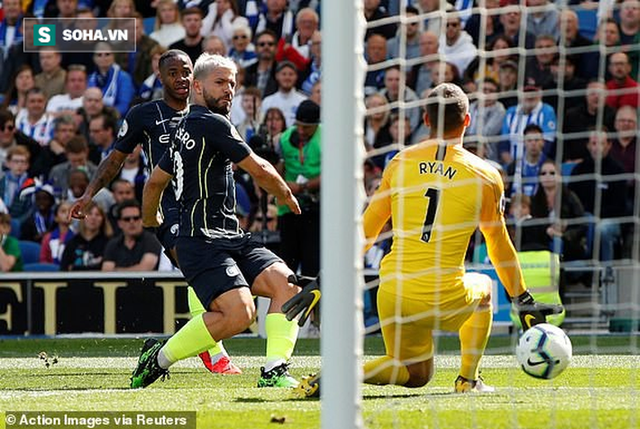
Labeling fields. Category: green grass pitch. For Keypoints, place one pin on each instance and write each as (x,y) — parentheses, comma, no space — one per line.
(597,391)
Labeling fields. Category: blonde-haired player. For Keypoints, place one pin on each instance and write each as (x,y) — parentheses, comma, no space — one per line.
(437,194)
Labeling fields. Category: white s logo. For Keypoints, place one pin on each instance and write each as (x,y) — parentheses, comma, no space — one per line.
(43,35)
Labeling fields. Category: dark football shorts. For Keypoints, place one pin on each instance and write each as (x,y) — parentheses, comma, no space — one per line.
(215,266)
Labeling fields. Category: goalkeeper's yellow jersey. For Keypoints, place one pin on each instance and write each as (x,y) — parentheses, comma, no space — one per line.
(437,195)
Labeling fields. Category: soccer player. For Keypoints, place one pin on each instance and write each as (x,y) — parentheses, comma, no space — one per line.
(220,261)
(150,124)
(437,194)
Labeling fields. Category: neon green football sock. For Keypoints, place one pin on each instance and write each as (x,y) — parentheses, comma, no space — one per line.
(191,340)
(281,338)
(196,309)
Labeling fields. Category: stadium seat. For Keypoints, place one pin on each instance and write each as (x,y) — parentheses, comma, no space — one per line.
(30,252)
(148,25)
(588,22)
(40,267)
(541,272)
(15,228)
(567,168)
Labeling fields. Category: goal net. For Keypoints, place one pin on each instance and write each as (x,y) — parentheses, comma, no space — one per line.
(553,104)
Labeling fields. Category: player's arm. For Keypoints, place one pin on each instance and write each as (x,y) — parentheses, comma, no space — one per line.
(267,177)
(107,170)
(505,259)
(151,195)
(378,212)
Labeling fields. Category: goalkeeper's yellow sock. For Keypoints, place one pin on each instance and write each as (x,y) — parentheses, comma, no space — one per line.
(383,371)
(196,309)
(191,340)
(281,339)
(474,335)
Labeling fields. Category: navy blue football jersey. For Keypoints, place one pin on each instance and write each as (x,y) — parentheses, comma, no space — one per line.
(150,124)
(204,146)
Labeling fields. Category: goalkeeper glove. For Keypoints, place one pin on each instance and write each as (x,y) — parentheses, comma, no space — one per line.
(533,313)
(305,301)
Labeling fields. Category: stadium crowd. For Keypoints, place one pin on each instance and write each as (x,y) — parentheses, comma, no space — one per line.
(554,90)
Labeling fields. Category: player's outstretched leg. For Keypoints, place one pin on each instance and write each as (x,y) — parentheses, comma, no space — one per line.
(474,335)
(282,334)
(216,359)
(148,369)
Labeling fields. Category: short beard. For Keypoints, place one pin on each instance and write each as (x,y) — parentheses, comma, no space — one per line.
(213,105)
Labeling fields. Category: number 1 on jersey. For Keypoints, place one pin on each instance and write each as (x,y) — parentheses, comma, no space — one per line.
(434,195)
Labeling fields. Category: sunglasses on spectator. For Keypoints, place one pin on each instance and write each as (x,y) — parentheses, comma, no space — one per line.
(263,44)
(130,218)
(544,173)
(453,24)
(240,36)
(8,127)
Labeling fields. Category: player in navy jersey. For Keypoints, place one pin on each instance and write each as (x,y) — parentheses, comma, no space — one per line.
(220,261)
(150,125)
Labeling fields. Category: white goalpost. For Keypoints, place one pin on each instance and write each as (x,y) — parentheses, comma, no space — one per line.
(342,200)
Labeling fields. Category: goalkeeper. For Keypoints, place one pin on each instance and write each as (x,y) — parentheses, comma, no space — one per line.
(437,194)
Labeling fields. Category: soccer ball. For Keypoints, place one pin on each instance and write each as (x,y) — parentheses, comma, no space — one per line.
(544,351)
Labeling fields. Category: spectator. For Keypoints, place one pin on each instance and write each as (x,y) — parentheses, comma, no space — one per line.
(623,148)
(134,171)
(373,12)
(61,9)
(122,190)
(287,99)
(167,29)
(376,53)
(92,106)
(412,37)
(19,58)
(276,18)
(422,132)
(436,10)
(192,43)
(530,111)
(376,124)
(300,234)
(85,58)
(392,93)
(10,255)
(273,125)
(10,26)
(538,68)
(151,88)
(121,9)
(54,242)
(33,120)
(457,46)
(52,78)
(116,84)
(445,72)
(64,129)
(524,174)
(572,85)
(251,105)
(10,137)
(85,250)
(313,72)
(623,90)
(138,64)
(307,21)
(135,249)
(500,53)
(78,183)
(570,38)
(15,99)
(487,116)
(263,73)
(316,93)
(242,51)
(71,100)
(542,18)
(511,20)
(43,218)
(77,153)
(629,21)
(220,19)
(15,181)
(593,180)
(574,148)
(608,35)
(569,238)
(213,44)
(102,130)
(419,78)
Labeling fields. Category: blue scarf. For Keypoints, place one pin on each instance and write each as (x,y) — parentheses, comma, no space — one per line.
(108,84)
